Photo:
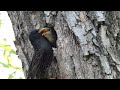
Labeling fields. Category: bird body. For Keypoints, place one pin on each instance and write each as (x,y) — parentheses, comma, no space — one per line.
(42,42)
(39,41)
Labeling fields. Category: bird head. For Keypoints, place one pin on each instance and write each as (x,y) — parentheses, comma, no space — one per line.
(50,34)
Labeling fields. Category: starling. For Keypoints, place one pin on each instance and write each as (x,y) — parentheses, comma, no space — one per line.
(42,40)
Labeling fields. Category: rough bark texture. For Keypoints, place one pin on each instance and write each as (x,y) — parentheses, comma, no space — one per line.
(88,42)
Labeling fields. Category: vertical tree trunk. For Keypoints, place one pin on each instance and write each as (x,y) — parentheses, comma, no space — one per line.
(88,42)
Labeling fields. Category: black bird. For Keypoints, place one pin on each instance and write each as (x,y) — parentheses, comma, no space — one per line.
(42,41)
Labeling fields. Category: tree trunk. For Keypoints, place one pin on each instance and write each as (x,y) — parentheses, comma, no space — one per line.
(88,42)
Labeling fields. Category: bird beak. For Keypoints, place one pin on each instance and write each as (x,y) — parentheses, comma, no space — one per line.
(43,34)
(43,30)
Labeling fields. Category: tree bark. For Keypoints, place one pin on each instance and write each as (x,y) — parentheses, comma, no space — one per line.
(88,42)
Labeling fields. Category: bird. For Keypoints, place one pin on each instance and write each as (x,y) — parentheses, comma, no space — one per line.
(43,41)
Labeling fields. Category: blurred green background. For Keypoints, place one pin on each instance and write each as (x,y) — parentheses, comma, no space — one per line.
(10,64)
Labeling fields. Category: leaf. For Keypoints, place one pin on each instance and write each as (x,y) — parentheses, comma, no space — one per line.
(4,39)
(9,60)
(7,48)
(13,52)
(4,65)
(10,66)
(15,67)
(2,45)
(11,75)
(4,54)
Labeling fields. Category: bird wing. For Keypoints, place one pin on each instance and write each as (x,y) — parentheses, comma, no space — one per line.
(41,61)
(36,62)
(44,64)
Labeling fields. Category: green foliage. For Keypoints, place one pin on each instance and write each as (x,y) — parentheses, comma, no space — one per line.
(8,51)
(11,75)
